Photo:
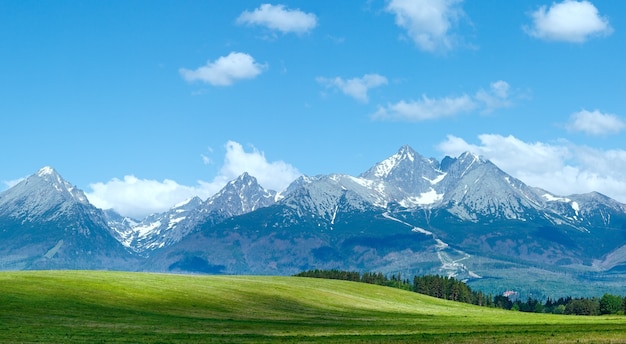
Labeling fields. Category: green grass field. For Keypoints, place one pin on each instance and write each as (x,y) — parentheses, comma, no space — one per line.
(119,307)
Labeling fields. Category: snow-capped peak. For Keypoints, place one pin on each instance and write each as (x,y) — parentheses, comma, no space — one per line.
(470,157)
(48,173)
(49,176)
(406,152)
(240,196)
(463,164)
(41,192)
(242,183)
(194,201)
(384,168)
(45,171)
(244,179)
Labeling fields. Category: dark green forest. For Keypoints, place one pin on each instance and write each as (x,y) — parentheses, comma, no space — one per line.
(449,288)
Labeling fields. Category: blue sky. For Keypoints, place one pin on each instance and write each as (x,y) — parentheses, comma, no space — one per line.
(145,103)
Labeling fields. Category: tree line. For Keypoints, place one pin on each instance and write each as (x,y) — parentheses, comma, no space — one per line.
(449,288)
(442,287)
(607,304)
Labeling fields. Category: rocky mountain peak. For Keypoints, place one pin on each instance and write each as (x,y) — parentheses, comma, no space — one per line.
(406,152)
(242,187)
(402,159)
(188,204)
(406,172)
(48,176)
(246,178)
(46,171)
(457,168)
(239,196)
(41,192)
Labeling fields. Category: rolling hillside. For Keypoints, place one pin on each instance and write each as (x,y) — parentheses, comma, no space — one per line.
(115,307)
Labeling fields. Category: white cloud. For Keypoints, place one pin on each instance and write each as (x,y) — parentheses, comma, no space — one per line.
(206,160)
(595,123)
(225,70)
(569,21)
(277,17)
(425,109)
(498,96)
(559,167)
(356,87)
(428,22)
(275,175)
(135,197)
(11,183)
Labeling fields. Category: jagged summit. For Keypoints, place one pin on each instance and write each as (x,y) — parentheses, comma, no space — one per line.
(466,159)
(40,193)
(246,177)
(404,156)
(470,155)
(405,172)
(51,175)
(241,195)
(46,170)
(188,203)
(243,181)
(407,152)
(47,223)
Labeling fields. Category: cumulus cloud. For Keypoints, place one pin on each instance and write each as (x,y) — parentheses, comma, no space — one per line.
(137,198)
(279,18)
(595,123)
(428,22)
(427,108)
(356,87)
(559,167)
(275,175)
(569,21)
(225,70)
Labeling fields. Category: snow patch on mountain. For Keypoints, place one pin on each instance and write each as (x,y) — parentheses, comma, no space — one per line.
(184,203)
(429,197)
(424,199)
(144,230)
(382,170)
(436,180)
(552,198)
(452,267)
(239,196)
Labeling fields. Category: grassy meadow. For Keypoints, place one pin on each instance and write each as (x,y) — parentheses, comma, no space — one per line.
(120,307)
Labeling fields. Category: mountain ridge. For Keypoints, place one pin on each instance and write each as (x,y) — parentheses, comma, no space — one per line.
(407,213)
(465,216)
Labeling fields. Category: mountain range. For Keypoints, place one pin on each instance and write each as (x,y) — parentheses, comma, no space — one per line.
(462,217)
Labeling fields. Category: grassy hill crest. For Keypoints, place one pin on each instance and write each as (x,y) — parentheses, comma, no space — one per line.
(121,307)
